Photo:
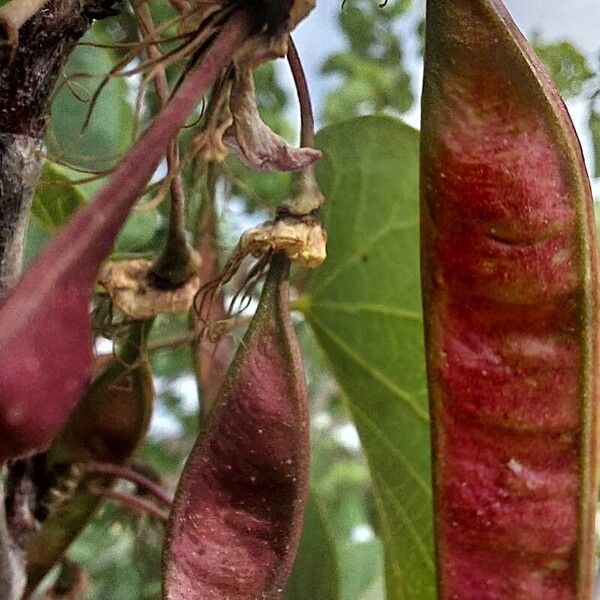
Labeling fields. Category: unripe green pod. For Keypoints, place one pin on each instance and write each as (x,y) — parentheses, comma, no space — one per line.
(237,516)
(107,426)
(510,289)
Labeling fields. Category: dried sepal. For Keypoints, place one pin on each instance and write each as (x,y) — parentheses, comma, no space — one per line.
(252,141)
(303,240)
(208,144)
(132,288)
(300,239)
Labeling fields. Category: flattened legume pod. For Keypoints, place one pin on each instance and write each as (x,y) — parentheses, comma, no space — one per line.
(237,515)
(107,425)
(510,297)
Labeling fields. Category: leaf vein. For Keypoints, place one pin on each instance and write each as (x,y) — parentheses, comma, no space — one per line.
(378,432)
(379,310)
(358,254)
(370,369)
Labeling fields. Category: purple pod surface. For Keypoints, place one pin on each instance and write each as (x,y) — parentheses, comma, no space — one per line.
(237,516)
(510,294)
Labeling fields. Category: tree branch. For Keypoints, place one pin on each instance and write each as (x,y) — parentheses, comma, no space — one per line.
(27,79)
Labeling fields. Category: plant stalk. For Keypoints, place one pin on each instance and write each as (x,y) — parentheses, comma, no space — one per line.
(129,501)
(178,261)
(211,359)
(128,474)
(306,197)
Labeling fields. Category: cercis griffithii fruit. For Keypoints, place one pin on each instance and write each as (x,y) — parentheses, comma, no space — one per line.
(237,516)
(108,425)
(45,340)
(510,295)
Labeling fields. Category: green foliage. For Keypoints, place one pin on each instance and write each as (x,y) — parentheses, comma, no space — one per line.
(109,132)
(315,573)
(56,199)
(374,77)
(121,553)
(566,65)
(364,306)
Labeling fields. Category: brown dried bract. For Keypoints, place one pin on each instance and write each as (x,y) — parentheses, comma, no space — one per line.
(233,121)
(132,288)
(252,141)
(302,240)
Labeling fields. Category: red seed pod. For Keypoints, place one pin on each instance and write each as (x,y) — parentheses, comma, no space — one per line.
(510,297)
(237,515)
(45,330)
(107,426)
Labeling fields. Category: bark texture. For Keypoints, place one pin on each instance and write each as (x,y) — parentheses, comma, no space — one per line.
(26,84)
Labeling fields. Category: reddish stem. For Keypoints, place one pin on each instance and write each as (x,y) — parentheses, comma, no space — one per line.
(306,195)
(307,132)
(176,252)
(130,501)
(129,474)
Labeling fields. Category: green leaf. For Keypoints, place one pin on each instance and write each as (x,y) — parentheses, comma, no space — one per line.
(566,65)
(365,308)
(55,199)
(138,232)
(315,573)
(371,71)
(110,130)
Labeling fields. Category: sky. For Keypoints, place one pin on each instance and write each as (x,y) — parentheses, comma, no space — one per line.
(317,37)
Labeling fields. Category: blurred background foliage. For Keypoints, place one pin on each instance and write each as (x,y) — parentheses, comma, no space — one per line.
(368,74)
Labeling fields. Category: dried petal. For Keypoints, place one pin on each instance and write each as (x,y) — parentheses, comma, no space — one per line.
(253,142)
(132,288)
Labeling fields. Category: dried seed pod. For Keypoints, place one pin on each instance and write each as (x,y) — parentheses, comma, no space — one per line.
(107,426)
(510,296)
(237,515)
